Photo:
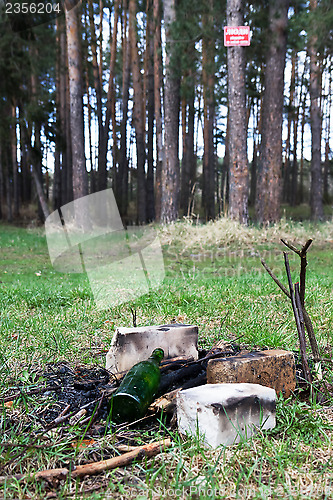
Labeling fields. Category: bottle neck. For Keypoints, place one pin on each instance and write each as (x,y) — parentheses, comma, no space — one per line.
(157,356)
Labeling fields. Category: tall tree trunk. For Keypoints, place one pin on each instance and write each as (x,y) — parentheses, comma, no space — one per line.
(316,192)
(24,164)
(138,118)
(39,188)
(184,168)
(208,69)
(327,142)
(34,152)
(80,178)
(150,112)
(68,172)
(9,198)
(25,169)
(188,170)
(13,145)
(170,167)
(102,171)
(64,137)
(301,173)
(237,133)
(287,190)
(110,113)
(270,161)
(254,163)
(93,180)
(294,172)
(157,105)
(58,145)
(122,181)
(225,171)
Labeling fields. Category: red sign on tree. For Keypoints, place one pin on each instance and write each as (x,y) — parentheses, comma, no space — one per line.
(236,35)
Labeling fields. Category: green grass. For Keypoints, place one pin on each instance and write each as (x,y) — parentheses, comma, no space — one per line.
(213,279)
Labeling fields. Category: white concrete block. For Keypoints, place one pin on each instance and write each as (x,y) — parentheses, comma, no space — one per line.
(225,413)
(131,345)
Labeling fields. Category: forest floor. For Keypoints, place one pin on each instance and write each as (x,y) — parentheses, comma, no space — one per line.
(214,279)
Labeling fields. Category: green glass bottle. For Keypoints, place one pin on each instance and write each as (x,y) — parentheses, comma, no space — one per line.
(136,391)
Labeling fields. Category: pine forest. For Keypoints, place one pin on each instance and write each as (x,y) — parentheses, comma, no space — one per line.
(143,96)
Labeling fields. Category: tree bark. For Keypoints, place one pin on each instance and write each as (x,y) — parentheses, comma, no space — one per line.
(110,114)
(122,182)
(138,118)
(188,170)
(170,166)
(13,145)
(150,112)
(64,136)
(158,106)
(294,172)
(237,133)
(208,76)
(316,193)
(58,144)
(270,161)
(102,171)
(80,178)
(287,191)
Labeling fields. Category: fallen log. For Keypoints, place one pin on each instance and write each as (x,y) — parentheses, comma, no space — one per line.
(140,452)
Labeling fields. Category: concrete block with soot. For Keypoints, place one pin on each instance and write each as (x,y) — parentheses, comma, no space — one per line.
(225,413)
(271,368)
(131,345)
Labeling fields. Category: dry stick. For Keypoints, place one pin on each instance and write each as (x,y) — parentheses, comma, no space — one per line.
(307,319)
(277,281)
(304,263)
(140,452)
(130,424)
(39,390)
(298,324)
(300,312)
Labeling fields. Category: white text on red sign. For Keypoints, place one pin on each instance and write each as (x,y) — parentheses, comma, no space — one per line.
(236,35)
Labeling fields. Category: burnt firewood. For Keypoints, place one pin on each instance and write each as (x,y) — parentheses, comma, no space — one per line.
(176,377)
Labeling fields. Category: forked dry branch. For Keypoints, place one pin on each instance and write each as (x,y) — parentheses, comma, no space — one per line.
(298,296)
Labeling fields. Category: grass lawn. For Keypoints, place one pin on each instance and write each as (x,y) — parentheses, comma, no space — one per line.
(214,279)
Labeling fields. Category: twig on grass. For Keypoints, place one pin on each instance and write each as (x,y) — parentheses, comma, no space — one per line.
(140,452)
(133,311)
(32,392)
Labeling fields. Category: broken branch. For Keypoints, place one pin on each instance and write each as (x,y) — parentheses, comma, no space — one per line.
(140,452)
(302,254)
(277,281)
(298,323)
(32,392)
(291,246)
(307,319)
